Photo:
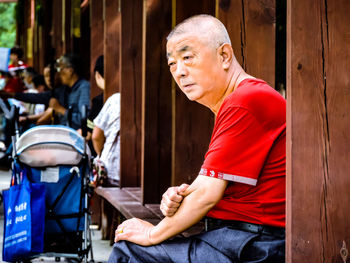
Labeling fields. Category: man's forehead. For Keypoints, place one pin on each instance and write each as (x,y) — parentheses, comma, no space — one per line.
(179,49)
(182,43)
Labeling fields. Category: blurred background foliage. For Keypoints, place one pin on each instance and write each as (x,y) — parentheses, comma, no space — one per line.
(7,25)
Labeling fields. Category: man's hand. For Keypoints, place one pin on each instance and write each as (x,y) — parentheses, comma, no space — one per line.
(56,106)
(172,199)
(134,230)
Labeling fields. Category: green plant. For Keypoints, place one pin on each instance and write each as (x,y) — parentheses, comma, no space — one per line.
(7,25)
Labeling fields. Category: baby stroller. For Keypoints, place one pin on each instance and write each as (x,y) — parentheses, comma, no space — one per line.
(58,157)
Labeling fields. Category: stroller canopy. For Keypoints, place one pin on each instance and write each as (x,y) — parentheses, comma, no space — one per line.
(50,145)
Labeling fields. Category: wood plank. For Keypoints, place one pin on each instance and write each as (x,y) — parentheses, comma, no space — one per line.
(193,122)
(111,47)
(318,122)
(82,43)
(156,102)
(131,92)
(126,203)
(56,38)
(66,26)
(251,26)
(96,34)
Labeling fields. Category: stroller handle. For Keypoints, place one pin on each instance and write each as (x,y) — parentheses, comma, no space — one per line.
(13,117)
(84,114)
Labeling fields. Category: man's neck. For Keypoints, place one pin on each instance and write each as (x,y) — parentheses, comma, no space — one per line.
(235,78)
(73,80)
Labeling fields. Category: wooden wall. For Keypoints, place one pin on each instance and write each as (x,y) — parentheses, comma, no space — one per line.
(97,45)
(193,123)
(318,125)
(164,136)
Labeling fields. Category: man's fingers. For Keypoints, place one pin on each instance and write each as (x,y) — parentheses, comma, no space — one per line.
(182,189)
(172,201)
(172,195)
(121,236)
(167,211)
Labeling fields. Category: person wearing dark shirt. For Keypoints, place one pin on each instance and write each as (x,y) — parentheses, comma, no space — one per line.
(76,92)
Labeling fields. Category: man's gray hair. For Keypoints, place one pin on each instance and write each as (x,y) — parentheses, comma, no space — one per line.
(208,27)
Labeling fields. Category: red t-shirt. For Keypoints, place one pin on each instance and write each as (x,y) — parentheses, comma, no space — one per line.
(248,148)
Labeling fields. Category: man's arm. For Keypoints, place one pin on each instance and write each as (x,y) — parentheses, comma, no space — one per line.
(202,195)
(35,98)
(172,199)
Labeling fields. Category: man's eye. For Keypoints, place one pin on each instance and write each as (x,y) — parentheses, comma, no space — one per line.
(186,57)
(171,64)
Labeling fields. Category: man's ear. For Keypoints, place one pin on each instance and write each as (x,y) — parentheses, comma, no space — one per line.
(226,55)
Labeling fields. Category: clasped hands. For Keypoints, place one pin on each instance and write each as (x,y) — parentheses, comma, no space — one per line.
(139,231)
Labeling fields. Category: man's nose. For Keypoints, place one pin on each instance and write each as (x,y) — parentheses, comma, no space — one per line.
(181,70)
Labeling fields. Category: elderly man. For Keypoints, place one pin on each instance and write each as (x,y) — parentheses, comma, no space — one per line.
(74,94)
(240,189)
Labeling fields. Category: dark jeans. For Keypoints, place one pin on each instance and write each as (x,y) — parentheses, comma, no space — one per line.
(216,246)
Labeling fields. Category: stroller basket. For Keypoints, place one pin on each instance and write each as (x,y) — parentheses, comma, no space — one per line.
(56,156)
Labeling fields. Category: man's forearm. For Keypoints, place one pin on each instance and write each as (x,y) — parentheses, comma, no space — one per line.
(193,208)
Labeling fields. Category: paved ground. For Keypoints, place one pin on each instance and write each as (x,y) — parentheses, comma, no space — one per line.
(101,248)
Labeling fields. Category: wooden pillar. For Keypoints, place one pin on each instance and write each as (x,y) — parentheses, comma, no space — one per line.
(56,29)
(96,48)
(318,125)
(80,33)
(111,47)
(67,39)
(251,26)
(193,123)
(156,101)
(131,91)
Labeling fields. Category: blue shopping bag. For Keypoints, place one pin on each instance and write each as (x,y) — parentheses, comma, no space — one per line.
(24,218)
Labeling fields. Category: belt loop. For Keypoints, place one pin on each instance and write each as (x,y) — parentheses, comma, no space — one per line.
(260,229)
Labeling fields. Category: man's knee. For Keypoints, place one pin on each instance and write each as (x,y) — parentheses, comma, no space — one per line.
(118,253)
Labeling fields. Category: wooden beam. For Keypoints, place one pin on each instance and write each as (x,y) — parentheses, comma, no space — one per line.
(111,47)
(96,48)
(131,92)
(193,123)
(56,28)
(318,124)
(251,26)
(156,101)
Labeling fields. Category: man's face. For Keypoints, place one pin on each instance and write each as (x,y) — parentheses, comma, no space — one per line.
(65,72)
(14,58)
(47,76)
(195,67)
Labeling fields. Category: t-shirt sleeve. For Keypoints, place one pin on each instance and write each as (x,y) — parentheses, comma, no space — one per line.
(109,113)
(102,118)
(239,147)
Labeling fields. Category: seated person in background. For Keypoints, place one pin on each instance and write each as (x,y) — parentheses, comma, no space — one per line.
(35,111)
(75,94)
(97,101)
(14,82)
(16,54)
(36,98)
(241,184)
(28,74)
(105,134)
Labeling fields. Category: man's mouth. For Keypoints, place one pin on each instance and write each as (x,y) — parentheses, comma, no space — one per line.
(187,86)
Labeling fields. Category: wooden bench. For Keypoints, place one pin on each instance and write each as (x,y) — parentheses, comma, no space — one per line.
(118,204)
